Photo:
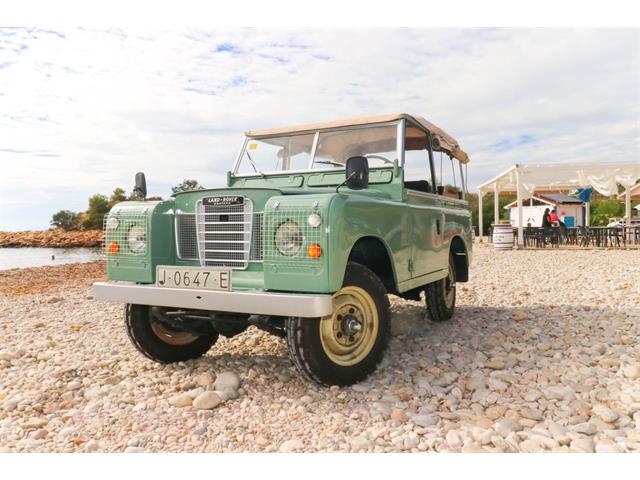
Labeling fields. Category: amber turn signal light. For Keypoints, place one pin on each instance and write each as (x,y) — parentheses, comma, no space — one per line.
(113,247)
(314,250)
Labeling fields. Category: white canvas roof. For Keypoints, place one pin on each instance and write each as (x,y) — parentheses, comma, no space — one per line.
(603,177)
(444,142)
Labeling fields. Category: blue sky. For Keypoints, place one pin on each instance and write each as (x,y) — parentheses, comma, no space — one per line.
(82,110)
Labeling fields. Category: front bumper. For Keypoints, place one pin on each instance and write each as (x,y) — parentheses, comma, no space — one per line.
(306,305)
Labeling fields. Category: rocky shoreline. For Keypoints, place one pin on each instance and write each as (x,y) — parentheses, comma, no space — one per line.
(55,238)
(527,364)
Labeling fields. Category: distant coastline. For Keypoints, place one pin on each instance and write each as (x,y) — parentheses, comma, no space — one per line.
(55,238)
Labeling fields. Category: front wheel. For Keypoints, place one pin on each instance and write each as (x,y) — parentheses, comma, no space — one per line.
(347,345)
(441,296)
(160,342)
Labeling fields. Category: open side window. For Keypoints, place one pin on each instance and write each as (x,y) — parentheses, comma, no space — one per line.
(417,165)
(449,176)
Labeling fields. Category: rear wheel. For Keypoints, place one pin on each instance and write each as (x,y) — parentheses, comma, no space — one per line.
(440,296)
(162,342)
(347,345)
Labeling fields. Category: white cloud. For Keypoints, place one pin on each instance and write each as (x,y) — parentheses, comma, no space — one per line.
(82,110)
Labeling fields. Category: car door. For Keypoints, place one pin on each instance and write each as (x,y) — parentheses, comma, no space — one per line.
(425,212)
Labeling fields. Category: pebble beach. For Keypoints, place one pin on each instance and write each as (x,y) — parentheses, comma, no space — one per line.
(542,355)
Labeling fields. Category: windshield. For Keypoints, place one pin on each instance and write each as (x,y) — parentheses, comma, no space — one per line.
(319,150)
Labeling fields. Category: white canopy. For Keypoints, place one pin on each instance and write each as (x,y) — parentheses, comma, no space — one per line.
(525,179)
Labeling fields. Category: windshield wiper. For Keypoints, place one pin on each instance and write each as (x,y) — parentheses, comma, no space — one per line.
(329,162)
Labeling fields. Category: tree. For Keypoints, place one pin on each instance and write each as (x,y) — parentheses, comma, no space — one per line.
(604,209)
(187,185)
(65,219)
(487,209)
(117,196)
(98,208)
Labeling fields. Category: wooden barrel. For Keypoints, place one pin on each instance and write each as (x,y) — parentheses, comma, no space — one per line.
(502,236)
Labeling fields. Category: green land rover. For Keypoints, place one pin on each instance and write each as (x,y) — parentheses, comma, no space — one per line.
(316,225)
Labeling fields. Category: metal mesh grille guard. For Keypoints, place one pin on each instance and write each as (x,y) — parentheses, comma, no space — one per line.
(224,232)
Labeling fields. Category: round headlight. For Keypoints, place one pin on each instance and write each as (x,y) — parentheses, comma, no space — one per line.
(137,239)
(288,238)
(314,220)
(112,223)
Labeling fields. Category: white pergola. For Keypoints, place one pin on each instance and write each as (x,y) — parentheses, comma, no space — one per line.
(523,180)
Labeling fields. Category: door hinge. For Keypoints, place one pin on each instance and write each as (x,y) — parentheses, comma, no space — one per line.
(410,265)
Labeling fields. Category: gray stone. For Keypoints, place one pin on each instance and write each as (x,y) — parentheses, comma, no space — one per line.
(227,380)
(531,413)
(560,392)
(632,371)
(205,379)
(496,363)
(605,413)
(453,439)
(587,428)
(505,426)
(182,400)
(582,445)
(360,443)
(7,355)
(445,379)
(91,446)
(207,401)
(134,450)
(424,420)
(498,385)
(606,445)
(291,445)
(231,393)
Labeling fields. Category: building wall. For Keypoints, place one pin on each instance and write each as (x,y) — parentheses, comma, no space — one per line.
(533,214)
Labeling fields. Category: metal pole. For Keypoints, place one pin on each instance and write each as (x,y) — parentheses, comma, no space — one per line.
(496,205)
(480,214)
(627,206)
(519,193)
(587,214)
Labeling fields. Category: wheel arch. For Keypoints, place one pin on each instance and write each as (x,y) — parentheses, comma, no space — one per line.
(460,257)
(372,252)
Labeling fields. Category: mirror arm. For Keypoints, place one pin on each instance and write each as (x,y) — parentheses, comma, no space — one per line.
(345,181)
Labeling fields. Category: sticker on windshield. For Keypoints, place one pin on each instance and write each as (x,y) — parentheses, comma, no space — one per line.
(253,146)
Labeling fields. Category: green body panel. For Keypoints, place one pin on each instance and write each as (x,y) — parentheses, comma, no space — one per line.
(415,228)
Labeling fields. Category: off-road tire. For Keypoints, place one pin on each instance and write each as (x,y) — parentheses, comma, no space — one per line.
(435,296)
(304,337)
(138,323)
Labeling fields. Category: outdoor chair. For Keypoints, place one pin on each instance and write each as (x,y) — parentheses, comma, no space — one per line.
(583,237)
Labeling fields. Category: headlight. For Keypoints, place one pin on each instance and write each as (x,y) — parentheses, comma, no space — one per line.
(314,220)
(112,223)
(137,239)
(288,238)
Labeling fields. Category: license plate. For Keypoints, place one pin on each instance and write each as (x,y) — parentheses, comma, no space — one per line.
(193,278)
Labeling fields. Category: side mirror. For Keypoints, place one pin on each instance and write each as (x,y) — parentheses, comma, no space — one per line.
(357,173)
(440,190)
(141,185)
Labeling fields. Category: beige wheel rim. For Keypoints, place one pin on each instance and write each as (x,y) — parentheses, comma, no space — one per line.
(349,333)
(449,288)
(172,337)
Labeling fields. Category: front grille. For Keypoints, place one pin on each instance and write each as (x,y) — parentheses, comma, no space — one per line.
(186,236)
(224,233)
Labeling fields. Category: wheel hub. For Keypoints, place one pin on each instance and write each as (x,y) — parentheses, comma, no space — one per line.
(348,335)
(351,325)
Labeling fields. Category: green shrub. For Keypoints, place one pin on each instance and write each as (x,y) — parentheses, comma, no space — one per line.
(65,219)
